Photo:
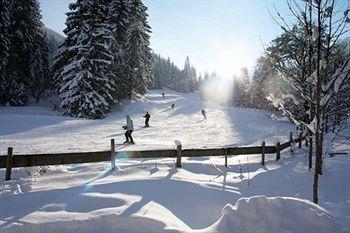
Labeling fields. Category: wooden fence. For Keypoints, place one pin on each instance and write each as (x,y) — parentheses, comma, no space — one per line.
(9,161)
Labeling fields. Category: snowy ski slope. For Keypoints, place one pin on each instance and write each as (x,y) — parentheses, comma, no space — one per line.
(35,129)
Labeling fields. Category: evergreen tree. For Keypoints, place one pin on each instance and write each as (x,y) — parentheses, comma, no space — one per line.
(39,61)
(167,74)
(4,47)
(27,68)
(86,84)
(138,52)
(68,49)
(189,82)
(119,19)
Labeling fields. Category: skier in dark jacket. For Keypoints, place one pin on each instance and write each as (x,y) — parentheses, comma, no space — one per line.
(204,113)
(163,95)
(147,116)
(172,106)
(129,127)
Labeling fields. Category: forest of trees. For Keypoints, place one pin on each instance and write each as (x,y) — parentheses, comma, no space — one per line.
(104,58)
(167,74)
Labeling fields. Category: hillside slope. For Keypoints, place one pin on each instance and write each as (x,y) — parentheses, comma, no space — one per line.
(34,129)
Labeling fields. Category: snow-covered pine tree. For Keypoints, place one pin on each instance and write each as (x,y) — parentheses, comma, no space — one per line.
(4,47)
(155,80)
(189,81)
(87,80)
(68,49)
(138,51)
(39,58)
(118,20)
(23,28)
(165,74)
(27,69)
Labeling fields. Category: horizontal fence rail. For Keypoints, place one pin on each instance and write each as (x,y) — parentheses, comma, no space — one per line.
(9,161)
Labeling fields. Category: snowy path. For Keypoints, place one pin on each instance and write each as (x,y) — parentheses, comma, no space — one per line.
(39,130)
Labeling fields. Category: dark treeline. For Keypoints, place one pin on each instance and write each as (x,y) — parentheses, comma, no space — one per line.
(167,74)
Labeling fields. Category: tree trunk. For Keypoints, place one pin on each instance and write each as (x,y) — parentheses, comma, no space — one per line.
(315,188)
(318,130)
(319,144)
(310,152)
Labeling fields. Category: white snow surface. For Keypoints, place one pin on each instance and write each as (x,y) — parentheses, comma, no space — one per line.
(151,195)
(37,129)
(274,214)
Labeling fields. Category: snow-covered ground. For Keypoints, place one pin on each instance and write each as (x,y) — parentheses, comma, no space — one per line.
(40,130)
(151,195)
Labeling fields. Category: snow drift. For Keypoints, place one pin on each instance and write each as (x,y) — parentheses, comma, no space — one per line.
(274,214)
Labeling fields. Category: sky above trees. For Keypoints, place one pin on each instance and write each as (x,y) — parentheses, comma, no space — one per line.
(218,35)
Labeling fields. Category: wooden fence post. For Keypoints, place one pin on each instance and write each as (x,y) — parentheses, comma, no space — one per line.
(113,154)
(9,160)
(263,153)
(278,151)
(178,156)
(300,141)
(225,157)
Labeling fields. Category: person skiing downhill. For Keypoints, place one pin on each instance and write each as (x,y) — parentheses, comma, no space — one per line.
(172,106)
(129,127)
(204,114)
(147,116)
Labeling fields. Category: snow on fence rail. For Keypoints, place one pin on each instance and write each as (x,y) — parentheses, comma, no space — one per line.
(9,161)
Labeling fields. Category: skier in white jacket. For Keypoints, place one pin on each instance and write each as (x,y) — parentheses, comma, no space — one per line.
(129,127)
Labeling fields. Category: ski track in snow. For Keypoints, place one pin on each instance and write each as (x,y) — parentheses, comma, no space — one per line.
(39,130)
(151,195)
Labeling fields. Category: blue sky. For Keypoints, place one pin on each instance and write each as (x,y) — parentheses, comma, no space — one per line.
(217,35)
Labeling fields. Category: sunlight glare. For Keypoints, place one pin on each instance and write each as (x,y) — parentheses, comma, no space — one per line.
(230,59)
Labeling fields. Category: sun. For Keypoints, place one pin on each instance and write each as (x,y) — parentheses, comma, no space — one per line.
(231,60)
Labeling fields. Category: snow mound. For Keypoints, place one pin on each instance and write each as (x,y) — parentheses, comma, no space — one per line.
(274,214)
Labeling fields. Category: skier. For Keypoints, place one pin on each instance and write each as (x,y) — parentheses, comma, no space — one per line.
(172,106)
(147,116)
(204,114)
(163,95)
(129,127)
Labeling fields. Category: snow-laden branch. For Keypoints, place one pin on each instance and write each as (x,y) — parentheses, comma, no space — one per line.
(338,78)
(279,103)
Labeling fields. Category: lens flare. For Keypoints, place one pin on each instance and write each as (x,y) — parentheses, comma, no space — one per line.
(118,155)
